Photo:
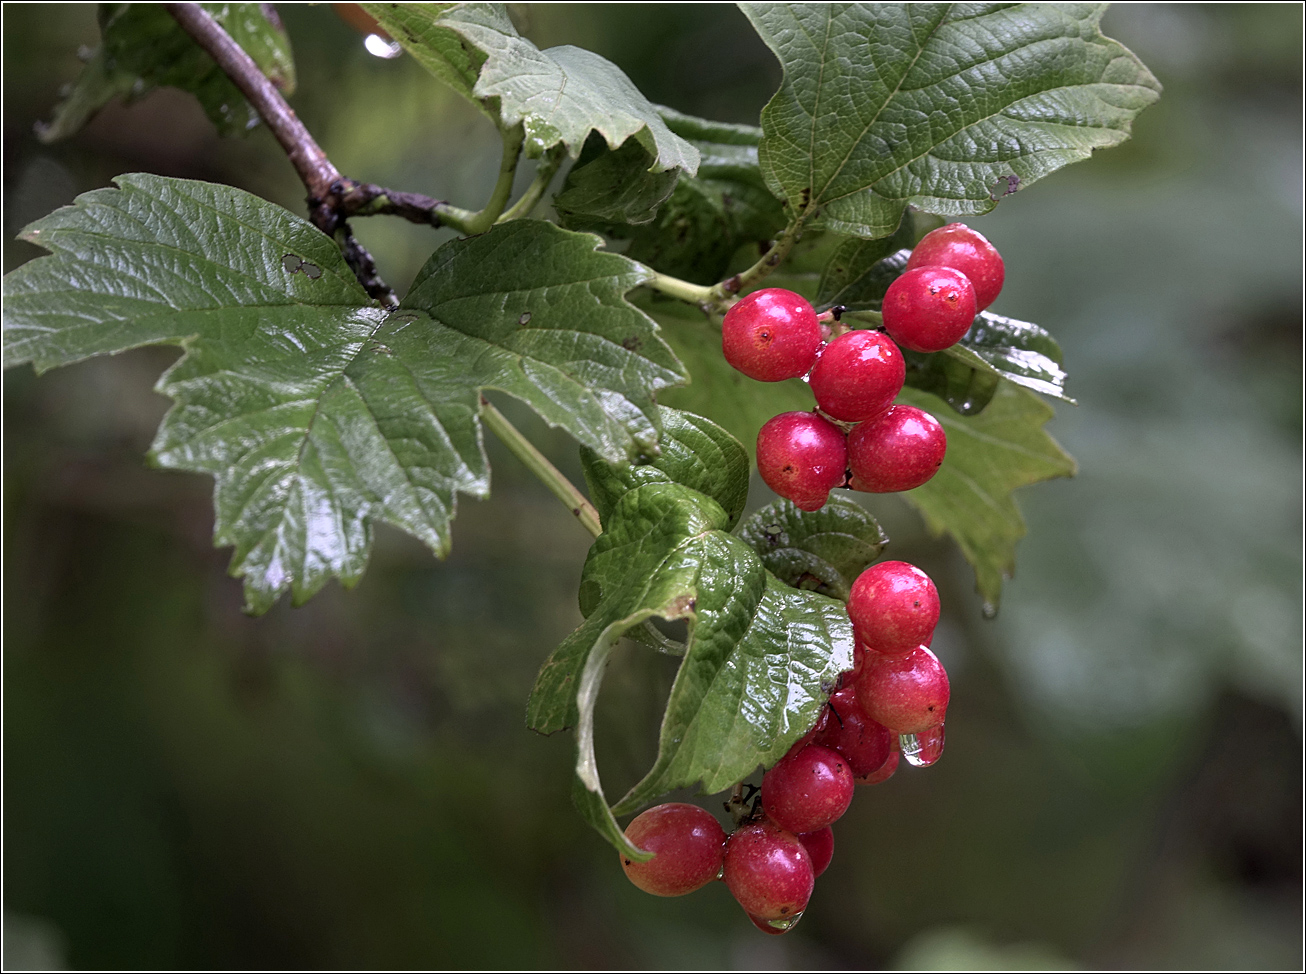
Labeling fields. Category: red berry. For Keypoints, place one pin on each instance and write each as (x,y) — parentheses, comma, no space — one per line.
(929,308)
(907,694)
(894,608)
(884,774)
(963,249)
(857,375)
(820,846)
(769,872)
(802,456)
(808,789)
(860,741)
(688,843)
(898,450)
(771,335)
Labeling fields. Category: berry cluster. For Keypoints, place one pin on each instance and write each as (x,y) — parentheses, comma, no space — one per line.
(857,437)
(891,702)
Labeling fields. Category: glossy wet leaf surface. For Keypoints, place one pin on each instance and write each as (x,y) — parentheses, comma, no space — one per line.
(142,48)
(760,659)
(694,452)
(989,456)
(559,95)
(935,104)
(966,375)
(823,551)
(316,412)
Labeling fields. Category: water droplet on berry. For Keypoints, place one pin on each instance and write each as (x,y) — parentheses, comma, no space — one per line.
(923,749)
(783,925)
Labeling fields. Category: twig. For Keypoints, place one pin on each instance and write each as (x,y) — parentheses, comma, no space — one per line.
(314,168)
(553,478)
(369,199)
(769,261)
(322,180)
(357,257)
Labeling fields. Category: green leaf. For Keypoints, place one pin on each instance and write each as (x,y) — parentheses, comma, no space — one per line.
(711,215)
(142,48)
(609,186)
(885,105)
(759,663)
(316,412)
(559,96)
(695,453)
(988,457)
(860,271)
(823,551)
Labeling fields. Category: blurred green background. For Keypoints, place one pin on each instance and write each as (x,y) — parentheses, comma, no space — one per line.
(350,784)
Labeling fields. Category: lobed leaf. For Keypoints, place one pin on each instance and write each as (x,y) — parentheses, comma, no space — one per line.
(612,186)
(142,48)
(989,456)
(823,551)
(695,453)
(315,411)
(559,96)
(759,662)
(935,104)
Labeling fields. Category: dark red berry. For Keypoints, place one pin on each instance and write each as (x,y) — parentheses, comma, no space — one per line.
(884,774)
(820,846)
(808,789)
(929,308)
(771,335)
(963,249)
(769,872)
(802,456)
(894,608)
(907,694)
(857,375)
(859,740)
(898,450)
(688,843)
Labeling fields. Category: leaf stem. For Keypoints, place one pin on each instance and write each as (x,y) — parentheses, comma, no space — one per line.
(699,295)
(769,261)
(538,464)
(548,168)
(512,143)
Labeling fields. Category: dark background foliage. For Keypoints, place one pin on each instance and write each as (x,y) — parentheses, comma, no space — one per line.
(350,784)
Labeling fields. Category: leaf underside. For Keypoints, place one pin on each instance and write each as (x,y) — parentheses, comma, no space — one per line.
(315,410)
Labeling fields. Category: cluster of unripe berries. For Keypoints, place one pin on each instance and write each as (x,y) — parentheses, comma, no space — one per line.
(857,437)
(890,704)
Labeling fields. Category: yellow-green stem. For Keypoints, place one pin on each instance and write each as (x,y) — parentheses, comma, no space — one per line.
(512,143)
(538,464)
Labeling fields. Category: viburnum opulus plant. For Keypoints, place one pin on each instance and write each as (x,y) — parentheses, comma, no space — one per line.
(322,403)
